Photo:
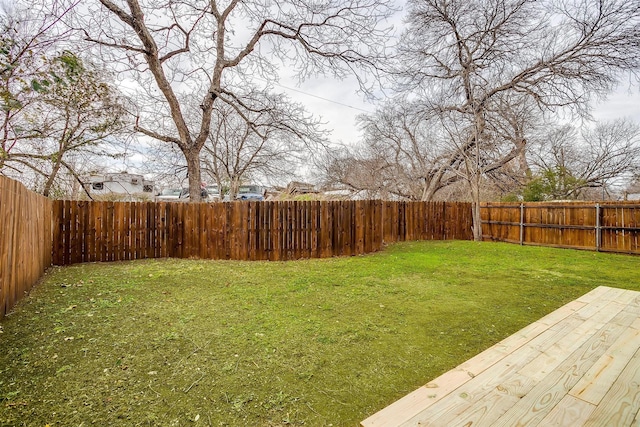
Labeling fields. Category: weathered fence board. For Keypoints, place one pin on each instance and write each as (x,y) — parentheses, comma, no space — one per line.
(25,241)
(37,232)
(605,226)
(112,231)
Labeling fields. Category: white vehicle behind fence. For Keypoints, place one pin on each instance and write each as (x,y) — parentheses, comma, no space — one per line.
(125,186)
(169,195)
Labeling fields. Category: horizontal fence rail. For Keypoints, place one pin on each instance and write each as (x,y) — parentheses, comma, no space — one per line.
(113,231)
(25,241)
(605,226)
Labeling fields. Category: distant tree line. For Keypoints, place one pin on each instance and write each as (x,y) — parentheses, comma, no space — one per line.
(478,85)
(473,91)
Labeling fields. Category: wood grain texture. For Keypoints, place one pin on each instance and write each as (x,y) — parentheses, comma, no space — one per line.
(570,411)
(26,240)
(566,224)
(620,405)
(593,386)
(579,365)
(111,231)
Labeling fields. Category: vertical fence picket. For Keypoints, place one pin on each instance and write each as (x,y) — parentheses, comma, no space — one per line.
(75,231)
(603,226)
(27,247)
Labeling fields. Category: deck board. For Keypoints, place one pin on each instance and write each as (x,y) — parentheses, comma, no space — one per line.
(577,366)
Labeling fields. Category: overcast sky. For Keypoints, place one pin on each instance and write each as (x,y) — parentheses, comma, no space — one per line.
(625,102)
(342,103)
(338,103)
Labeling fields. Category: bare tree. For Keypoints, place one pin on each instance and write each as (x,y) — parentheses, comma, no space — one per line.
(567,161)
(409,146)
(270,143)
(416,152)
(477,61)
(398,157)
(53,105)
(212,50)
(356,171)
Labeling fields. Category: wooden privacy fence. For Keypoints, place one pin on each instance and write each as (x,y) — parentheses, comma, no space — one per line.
(25,241)
(112,231)
(36,232)
(606,226)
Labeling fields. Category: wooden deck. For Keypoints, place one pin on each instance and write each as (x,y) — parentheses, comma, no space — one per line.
(577,366)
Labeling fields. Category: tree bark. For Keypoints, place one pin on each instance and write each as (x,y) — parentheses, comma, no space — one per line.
(234,187)
(52,176)
(474,184)
(195,177)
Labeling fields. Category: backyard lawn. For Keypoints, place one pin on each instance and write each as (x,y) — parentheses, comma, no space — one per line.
(306,343)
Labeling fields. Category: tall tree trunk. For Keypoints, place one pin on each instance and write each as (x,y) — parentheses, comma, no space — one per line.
(477,221)
(220,188)
(474,184)
(193,170)
(234,187)
(52,176)
(432,185)
(427,193)
(523,163)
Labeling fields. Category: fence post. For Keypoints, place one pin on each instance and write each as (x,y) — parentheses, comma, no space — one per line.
(521,224)
(598,228)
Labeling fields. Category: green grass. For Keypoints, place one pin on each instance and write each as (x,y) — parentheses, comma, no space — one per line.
(313,343)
